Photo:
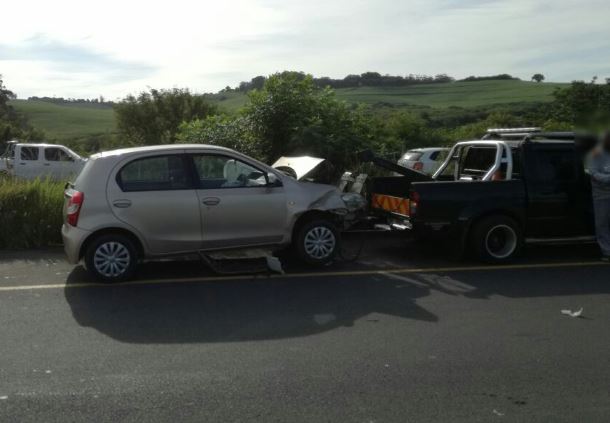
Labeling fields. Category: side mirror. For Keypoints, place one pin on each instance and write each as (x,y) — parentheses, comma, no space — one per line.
(273,180)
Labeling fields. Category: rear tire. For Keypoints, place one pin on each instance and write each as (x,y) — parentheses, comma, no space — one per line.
(497,239)
(317,242)
(111,258)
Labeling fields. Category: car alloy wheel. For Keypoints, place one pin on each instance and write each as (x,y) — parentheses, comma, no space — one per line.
(111,259)
(319,242)
(501,241)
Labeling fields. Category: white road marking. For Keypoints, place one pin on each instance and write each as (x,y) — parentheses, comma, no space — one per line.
(306,275)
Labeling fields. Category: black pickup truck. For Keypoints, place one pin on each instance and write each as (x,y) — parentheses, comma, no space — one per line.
(490,196)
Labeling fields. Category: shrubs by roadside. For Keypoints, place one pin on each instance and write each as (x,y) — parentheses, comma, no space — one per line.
(30,213)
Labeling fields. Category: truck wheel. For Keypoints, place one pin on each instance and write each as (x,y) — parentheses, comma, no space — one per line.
(111,258)
(497,239)
(317,242)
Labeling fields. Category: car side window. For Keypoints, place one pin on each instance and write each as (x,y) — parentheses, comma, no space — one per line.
(216,171)
(555,165)
(434,155)
(158,173)
(54,154)
(29,153)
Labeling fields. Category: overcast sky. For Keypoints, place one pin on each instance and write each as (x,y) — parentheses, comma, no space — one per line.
(113,48)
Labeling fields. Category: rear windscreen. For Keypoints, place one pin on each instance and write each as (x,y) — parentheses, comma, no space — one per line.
(478,159)
(411,156)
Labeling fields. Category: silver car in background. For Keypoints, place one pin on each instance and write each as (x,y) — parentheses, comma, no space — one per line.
(150,202)
(425,160)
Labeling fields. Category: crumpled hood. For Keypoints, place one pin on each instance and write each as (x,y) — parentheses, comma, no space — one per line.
(297,167)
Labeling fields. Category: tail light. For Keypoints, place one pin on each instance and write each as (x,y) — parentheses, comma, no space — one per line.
(413,202)
(75,202)
(418,166)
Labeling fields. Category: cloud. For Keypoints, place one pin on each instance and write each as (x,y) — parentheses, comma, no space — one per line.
(119,47)
(73,59)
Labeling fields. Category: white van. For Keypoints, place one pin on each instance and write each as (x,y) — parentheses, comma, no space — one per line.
(30,161)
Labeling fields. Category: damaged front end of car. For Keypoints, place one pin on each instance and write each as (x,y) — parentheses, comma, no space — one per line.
(315,178)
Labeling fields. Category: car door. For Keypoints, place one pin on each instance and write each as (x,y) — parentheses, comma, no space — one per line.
(556,199)
(28,163)
(238,205)
(154,195)
(52,163)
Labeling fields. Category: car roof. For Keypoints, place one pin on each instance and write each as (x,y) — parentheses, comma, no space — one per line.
(516,143)
(160,148)
(38,144)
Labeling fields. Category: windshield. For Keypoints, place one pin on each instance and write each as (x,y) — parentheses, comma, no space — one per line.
(9,152)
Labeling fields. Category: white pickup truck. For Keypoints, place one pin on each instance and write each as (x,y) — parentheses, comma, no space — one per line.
(30,161)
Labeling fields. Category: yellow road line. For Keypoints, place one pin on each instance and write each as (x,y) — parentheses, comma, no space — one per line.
(309,275)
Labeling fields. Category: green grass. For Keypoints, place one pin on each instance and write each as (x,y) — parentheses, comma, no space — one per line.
(64,122)
(455,94)
(445,95)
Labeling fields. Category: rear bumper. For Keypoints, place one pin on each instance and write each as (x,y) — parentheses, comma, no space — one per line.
(73,239)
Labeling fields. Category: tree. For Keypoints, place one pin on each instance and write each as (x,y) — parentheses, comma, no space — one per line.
(538,77)
(582,104)
(13,125)
(154,117)
(290,115)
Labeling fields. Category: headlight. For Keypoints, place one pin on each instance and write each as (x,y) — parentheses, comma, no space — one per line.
(353,201)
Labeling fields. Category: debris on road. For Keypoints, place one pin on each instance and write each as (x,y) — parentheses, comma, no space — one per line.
(274,264)
(572,313)
(497,413)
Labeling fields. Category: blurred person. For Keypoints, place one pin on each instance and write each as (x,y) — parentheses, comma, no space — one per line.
(598,167)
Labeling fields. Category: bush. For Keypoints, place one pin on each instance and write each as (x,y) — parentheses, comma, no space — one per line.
(225,131)
(30,213)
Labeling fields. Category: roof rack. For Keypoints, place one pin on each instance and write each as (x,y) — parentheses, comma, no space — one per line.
(510,133)
(530,134)
(513,130)
(564,136)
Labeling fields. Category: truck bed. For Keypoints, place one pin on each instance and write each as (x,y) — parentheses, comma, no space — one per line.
(446,202)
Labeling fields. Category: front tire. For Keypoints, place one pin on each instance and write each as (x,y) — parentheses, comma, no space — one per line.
(111,258)
(317,242)
(497,239)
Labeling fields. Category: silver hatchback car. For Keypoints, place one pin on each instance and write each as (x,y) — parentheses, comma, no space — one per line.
(151,202)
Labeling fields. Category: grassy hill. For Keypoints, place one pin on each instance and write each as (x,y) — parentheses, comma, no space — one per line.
(67,121)
(442,95)
(77,121)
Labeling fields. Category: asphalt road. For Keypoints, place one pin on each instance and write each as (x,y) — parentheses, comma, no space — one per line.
(401,335)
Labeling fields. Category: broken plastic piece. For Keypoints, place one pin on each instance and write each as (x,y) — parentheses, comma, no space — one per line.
(572,313)
(274,264)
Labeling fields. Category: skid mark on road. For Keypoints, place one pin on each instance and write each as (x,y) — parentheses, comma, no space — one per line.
(385,272)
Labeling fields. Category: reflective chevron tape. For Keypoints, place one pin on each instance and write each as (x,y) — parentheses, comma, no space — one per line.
(391,204)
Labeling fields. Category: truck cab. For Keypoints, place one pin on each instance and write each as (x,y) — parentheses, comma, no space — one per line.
(31,161)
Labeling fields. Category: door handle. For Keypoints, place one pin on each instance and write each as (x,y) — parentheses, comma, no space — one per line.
(211,201)
(121,204)
(47,164)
